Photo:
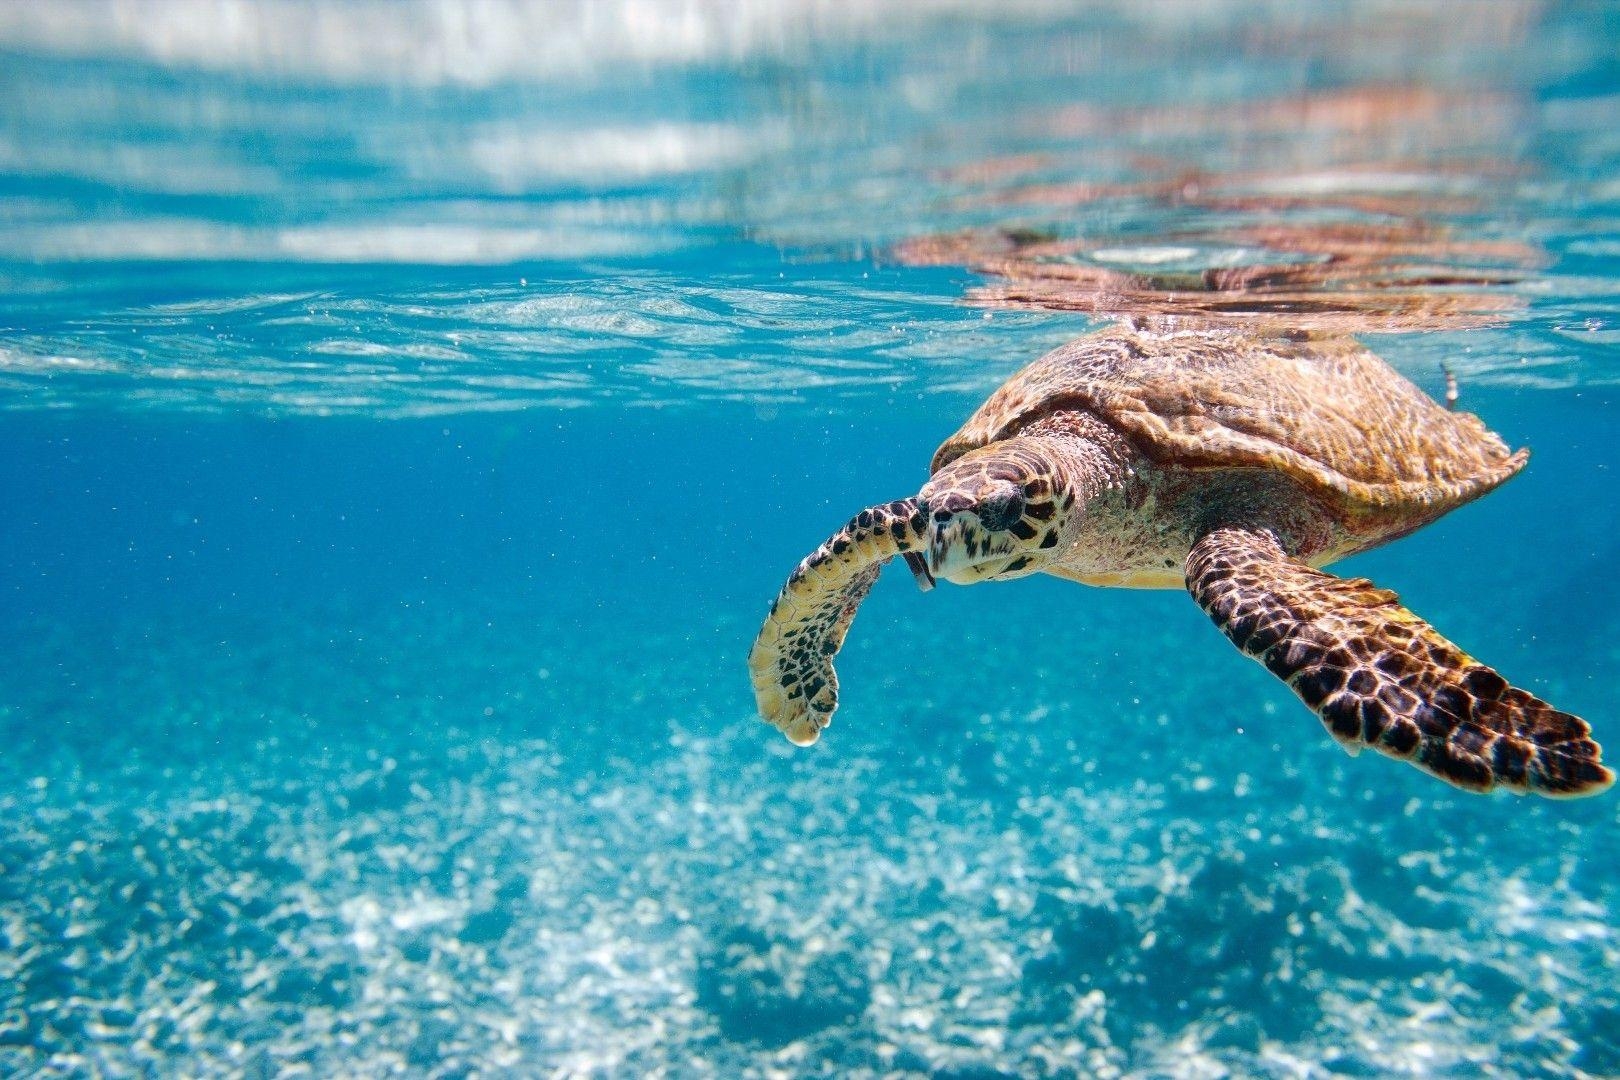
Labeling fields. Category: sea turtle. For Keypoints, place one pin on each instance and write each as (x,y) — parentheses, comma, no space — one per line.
(1234,464)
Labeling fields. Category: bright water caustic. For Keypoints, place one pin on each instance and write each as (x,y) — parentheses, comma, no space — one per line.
(407,415)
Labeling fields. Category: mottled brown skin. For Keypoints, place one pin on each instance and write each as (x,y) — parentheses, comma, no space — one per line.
(1379,676)
(1232,465)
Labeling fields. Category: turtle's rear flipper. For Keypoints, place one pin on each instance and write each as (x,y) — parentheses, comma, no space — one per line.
(791,661)
(1380,676)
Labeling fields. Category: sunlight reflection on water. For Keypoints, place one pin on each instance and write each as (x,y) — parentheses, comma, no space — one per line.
(613,155)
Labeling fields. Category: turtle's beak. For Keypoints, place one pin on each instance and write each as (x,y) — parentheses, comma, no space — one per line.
(962,551)
(919,570)
(946,552)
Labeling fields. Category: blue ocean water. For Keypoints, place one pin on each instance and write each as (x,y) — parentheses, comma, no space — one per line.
(408,413)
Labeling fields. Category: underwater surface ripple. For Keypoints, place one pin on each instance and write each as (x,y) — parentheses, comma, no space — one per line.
(407,414)
(580,336)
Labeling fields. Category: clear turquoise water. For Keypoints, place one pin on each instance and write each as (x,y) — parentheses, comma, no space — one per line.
(406,419)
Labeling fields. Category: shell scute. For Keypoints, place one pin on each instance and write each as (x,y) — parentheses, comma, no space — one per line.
(1325,412)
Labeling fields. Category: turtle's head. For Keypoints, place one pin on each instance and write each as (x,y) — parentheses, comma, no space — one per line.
(997,513)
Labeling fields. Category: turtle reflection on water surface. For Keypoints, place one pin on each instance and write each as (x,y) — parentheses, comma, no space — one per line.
(1233,465)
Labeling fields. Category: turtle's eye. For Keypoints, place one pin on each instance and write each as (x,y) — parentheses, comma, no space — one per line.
(1001,508)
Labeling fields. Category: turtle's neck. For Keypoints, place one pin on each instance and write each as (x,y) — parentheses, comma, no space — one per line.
(1095,456)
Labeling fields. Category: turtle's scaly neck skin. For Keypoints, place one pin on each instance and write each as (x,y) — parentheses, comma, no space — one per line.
(1127,533)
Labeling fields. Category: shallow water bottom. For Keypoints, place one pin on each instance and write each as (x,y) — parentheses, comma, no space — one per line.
(284,856)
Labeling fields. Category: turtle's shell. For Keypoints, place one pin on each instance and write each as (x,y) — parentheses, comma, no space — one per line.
(1323,411)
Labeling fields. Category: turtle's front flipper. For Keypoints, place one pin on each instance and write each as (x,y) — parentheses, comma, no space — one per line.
(791,661)
(1380,676)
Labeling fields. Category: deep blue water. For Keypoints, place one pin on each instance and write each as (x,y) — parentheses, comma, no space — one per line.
(408,414)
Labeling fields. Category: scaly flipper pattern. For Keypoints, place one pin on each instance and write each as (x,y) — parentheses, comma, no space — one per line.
(1380,676)
(791,661)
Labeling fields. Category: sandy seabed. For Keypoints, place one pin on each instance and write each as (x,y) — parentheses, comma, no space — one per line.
(407,841)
